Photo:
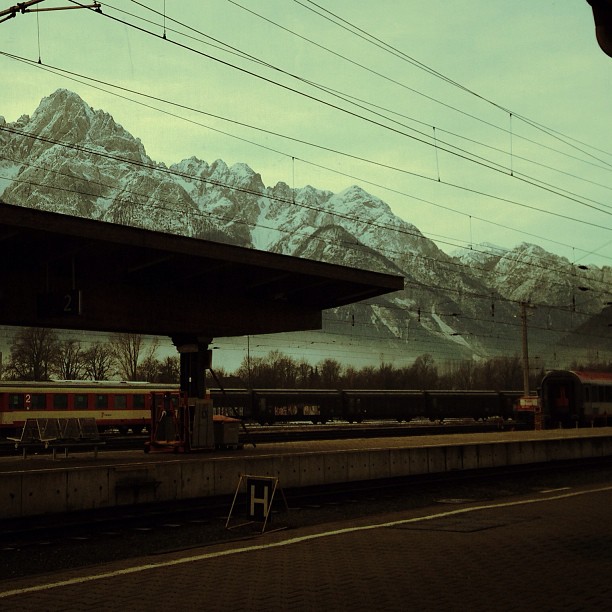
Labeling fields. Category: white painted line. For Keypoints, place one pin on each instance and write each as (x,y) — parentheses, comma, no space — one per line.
(315,536)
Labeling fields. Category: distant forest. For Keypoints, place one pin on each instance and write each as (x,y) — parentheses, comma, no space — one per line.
(39,354)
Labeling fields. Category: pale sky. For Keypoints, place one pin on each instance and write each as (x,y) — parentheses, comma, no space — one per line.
(523,61)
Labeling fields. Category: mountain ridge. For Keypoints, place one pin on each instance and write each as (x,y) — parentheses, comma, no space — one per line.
(464,303)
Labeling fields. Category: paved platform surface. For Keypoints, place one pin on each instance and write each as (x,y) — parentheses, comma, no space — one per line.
(550,550)
(16,463)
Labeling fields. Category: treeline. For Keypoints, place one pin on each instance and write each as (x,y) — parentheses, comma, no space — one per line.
(591,366)
(277,370)
(42,354)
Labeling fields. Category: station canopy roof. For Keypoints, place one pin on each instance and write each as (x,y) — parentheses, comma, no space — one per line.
(66,272)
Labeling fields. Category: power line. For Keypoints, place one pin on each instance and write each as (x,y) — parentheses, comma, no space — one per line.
(242,54)
(532,123)
(164,170)
(336,151)
(363,34)
(477,192)
(426,140)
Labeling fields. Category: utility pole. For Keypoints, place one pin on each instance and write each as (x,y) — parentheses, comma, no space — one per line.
(249,361)
(525,350)
(527,403)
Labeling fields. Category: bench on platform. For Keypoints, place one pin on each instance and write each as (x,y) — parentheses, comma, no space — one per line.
(59,433)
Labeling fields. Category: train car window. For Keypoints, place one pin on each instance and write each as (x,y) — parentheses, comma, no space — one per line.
(587,393)
(608,391)
(60,401)
(38,401)
(102,401)
(15,401)
(595,394)
(120,401)
(138,400)
(80,401)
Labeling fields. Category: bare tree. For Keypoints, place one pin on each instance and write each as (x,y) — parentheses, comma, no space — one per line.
(274,370)
(69,363)
(304,374)
(98,361)
(126,350)
(170,371)
(464,375)
(330,371)
(32,354)
(148,369)
(424,372)
(151,369)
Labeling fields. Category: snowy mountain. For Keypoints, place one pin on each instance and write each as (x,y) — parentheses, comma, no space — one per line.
(72,159)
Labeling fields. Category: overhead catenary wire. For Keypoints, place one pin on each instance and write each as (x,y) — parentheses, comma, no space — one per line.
(343,342)
(541,185)
(549,131)
(271,196)
(422,138)
(340,343)
(164,16)
(234,50)
(363,34)
(293,157)
(170,171)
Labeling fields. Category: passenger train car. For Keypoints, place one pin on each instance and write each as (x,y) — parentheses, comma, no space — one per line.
(567,399)
(121,405)
(126,406)
(576,399)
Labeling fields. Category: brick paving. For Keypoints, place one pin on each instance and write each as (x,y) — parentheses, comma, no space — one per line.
(550,555)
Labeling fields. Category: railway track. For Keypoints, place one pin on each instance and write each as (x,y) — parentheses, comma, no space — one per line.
(293,432)
(380,429)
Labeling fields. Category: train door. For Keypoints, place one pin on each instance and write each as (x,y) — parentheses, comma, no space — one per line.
(561,401)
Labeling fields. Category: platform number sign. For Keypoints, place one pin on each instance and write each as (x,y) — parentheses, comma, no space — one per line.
(60,304)
(260,492)
(71,303)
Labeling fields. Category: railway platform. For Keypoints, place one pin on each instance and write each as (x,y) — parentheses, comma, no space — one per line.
(545,550)
(40,484)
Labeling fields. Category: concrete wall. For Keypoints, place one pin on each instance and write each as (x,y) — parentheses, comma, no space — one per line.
(37,492)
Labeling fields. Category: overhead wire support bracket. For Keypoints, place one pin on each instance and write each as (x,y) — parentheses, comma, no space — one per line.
(24,7)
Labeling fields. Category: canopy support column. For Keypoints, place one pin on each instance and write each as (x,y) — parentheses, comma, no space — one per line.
(195,358)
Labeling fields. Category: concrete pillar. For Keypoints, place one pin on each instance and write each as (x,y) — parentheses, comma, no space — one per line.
(195,360)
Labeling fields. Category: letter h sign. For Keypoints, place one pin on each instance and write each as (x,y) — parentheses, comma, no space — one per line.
(260,492)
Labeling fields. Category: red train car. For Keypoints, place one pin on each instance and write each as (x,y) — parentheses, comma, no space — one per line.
(576,399)
(123,406)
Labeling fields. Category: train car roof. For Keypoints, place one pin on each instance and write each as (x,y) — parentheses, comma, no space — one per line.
(584,376)
(602,378)
(93,385)
(73,273)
